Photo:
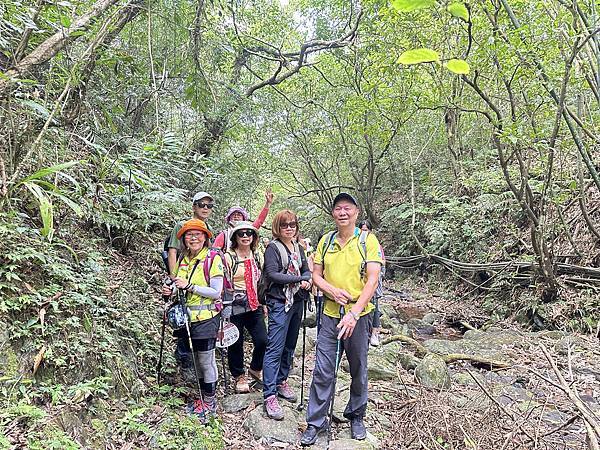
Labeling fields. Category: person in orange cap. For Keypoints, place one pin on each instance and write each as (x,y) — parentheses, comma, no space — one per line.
(202,285)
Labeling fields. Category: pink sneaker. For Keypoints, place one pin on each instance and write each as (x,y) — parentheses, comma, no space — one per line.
(272,408)
(285,391)
(199,409)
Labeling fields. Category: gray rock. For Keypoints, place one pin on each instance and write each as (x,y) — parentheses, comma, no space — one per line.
(311,319)
(408,361)
(551,334)
(238,402)
(431,318)
(345,441)
(420,327)
(465,379)
(562,345)
(382,361)
(472,399)
(381,369)
(342,395)
(260,426)
(495,337)
(388,311)
(432,372)
(311,342)
(470,347)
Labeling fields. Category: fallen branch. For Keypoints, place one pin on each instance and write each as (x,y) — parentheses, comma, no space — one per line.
(494,363)
(591,422)
(421,350)
(499,405)
(450,358)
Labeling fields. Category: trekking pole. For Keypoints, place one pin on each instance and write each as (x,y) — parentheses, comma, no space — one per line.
(187,329)
(223,351)
(319,302)
(338,355)
(301,405)
(166,298)
(162,346)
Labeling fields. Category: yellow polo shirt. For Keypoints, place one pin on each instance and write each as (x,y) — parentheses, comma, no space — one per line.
(185,270)
(342,267)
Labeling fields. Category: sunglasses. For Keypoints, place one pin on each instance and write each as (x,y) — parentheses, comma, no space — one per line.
(288,225)
(245,233)
(204,205)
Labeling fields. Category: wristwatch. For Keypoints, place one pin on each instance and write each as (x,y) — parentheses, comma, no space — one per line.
(355,315)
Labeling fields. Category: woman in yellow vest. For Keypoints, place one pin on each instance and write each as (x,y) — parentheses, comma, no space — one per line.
(202,284)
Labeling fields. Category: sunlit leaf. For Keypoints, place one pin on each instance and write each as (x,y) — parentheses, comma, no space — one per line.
(411,5)
(46,211)
(418,55)
(459,10)
(458,66)
(48,171)
(39,358)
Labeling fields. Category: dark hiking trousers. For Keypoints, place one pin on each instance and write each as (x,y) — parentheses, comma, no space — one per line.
(356,348)
(282,339)
(183,354)
(376,313)
(254,322)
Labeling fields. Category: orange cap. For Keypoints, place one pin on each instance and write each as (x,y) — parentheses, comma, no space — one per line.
(194,224)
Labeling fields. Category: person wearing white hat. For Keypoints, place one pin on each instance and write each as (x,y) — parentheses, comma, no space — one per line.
(243,308)
(202,207)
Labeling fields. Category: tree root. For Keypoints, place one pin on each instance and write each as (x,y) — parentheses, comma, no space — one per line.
(450,358)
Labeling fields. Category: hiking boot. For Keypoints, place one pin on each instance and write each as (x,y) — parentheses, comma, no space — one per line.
(241,384)
(210,402)
(272,408)
(256,374)
(309,437)
(285,391)
(357,429)
(199,409)
(375,338)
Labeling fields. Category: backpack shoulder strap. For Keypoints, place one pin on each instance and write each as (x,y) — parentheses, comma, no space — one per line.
(327,243)
(329,238)
(285,260)
(362,243)
(208,262)
(362,249)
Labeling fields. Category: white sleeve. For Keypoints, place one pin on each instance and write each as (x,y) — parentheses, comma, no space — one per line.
(214,291)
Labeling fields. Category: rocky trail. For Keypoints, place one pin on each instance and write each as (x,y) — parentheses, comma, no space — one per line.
(439,382)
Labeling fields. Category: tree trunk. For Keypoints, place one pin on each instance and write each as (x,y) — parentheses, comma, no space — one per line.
(54,44)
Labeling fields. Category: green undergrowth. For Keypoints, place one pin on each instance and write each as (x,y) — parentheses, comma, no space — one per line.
(79,342)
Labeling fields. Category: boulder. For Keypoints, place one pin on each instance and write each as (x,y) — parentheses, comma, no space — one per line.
(420,327)
(432,372)
(238,402)
(382,361)
(344,441)
(563,344)
(471,347)
(431,318)
(388,311)
(408,361)
(260,426)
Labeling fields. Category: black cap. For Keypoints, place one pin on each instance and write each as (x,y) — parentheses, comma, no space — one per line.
(344,196)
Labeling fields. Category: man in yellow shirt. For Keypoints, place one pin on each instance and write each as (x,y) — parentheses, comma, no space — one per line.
(346,269)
